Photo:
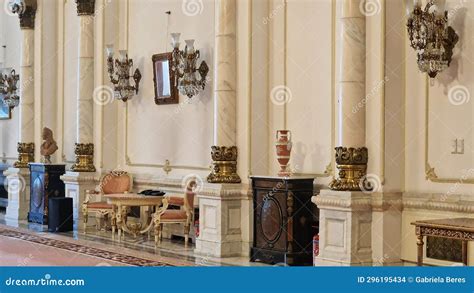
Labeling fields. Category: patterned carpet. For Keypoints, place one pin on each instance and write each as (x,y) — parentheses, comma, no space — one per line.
(88,250)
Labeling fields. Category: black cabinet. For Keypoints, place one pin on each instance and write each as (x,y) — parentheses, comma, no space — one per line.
(44,184)
(283,220)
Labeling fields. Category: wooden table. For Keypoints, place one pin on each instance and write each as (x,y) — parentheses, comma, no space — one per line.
(122,202)
(459,229)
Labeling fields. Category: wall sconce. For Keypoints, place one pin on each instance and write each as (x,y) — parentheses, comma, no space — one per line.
(430,35)
(8,87)
(121,69)
(184,65)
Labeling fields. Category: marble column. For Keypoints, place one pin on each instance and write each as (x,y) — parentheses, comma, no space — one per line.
(351,153)
(84,149)
(224,205)
(19,176)
(345,211)
(224,152)
(26,146)
(81,178)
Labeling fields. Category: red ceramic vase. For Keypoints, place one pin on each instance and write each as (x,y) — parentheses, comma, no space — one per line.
(283,150)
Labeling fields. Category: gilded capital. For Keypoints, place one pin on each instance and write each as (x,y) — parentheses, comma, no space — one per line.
(85,7)
(224,165)
(26,11)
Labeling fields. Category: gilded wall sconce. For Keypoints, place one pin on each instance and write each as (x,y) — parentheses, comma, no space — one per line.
(121,68)
(430,35)
(8,87)
(184,64)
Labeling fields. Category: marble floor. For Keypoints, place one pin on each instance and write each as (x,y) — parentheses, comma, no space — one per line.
(140,246)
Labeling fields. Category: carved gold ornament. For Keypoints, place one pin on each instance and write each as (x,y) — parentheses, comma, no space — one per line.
(26,154)
(224,165)
(84,158)
(352,166)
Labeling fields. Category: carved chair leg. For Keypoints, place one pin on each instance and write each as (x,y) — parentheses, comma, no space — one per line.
(157,232)
(85,215)
(187,228)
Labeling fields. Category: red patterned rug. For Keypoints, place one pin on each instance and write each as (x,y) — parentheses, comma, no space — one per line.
(80,248)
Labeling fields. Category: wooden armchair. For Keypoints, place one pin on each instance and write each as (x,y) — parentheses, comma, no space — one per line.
(111,183)
(172,216)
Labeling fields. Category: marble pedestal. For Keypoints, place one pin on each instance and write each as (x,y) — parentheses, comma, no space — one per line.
(18,194)
(225,221)
(345,228)
(76,184)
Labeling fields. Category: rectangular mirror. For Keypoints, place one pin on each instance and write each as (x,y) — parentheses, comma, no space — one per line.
(5,111)
(166,91)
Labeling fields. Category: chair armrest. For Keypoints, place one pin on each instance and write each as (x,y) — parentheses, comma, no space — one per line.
(89,194)
(163,208)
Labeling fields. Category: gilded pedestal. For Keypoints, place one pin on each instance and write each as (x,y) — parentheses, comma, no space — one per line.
(26,154)
(84,158)
(352,166)
(224,165)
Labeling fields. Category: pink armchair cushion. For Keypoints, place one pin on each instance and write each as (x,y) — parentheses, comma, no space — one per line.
(112,184)
(176,201)
(99,205)
(172,215)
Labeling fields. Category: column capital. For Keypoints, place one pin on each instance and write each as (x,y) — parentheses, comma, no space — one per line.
(85,7)
(26,13)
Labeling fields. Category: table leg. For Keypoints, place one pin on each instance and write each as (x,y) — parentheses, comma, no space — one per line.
(420,243)
(464,253)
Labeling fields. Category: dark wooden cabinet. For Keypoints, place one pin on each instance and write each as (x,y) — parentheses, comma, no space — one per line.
(283,220)
(44,184)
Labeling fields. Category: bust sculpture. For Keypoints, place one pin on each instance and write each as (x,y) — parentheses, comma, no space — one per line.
(49,146)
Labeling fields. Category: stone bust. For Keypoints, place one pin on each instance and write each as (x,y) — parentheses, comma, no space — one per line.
(49,146)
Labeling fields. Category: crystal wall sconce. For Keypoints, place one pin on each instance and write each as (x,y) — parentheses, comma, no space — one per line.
(184,65)
(121,68)
(430,35)
(8,87)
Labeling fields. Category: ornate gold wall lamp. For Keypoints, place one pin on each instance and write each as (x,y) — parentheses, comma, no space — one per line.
(121,68)
(184,64)
(430,35)
(8,87)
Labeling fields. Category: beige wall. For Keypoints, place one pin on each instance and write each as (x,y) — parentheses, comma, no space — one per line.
(10,36)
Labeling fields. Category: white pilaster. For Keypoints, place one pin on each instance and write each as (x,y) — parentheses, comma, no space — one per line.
(27,93)
(350,74)
(85,90)
(18,194)
(345,228)
(386,228)
(76,184)
(225,74)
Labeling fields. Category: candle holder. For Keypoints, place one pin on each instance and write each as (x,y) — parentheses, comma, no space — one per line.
(184,65)
(119,73)
(430,35)
(8,87)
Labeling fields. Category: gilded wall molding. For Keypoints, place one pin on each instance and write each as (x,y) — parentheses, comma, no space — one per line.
(430,171)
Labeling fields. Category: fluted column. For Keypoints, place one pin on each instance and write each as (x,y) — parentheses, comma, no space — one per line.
(224,151)
(84,149)
(351,153)
(26,146)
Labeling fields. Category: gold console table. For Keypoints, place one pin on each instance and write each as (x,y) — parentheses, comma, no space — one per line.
(123,201)
(459,229)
